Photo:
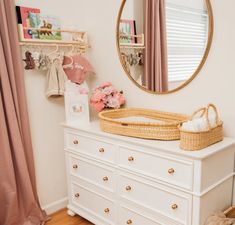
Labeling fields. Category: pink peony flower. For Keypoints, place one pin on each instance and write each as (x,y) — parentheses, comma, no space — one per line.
(106,96)
(113,103)
(120,98)
(98,96)
(109,90)
(98,106)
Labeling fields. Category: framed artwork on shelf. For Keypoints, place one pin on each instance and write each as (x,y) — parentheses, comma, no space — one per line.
(76,104)
(127,32)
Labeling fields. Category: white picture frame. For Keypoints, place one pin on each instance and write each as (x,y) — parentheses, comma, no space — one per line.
(77,109)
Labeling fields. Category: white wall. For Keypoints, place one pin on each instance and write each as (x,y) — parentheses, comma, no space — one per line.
(215,83)
(139,16)
(128,11)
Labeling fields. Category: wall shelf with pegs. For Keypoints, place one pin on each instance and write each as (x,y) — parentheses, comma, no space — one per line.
(80,39)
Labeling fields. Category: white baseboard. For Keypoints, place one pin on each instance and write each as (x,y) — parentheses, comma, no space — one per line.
(55,206)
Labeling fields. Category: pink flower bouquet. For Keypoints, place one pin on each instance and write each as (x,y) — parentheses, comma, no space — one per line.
(106,96)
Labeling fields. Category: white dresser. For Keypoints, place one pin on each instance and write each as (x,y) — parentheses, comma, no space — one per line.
(120,180)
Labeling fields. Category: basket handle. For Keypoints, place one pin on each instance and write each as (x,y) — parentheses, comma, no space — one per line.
(216,114)
(201,110)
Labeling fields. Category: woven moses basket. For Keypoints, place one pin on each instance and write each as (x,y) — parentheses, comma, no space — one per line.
(193,141)
(165,127)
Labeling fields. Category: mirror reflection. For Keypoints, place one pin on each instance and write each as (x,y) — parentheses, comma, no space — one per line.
(162,43)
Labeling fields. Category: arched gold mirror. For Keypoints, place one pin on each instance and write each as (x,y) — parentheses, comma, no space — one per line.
(163,44)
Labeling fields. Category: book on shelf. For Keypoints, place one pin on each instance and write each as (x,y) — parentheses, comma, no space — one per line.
(127,31)
(32,18)
(52,26)
(28,17)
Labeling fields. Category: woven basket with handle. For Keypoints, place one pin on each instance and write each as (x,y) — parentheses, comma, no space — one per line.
(192,141)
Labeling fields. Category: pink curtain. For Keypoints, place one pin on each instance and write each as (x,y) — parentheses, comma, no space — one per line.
(156,65)
(18,198)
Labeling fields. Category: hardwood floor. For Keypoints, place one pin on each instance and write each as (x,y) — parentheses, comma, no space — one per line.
(62,218)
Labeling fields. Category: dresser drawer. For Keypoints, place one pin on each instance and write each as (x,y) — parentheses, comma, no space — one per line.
(176,172)
(91,146)
(159,199)
(93,202)
(92,172)
(127,216)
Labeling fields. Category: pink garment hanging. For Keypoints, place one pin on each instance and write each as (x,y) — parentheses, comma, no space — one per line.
(78,70)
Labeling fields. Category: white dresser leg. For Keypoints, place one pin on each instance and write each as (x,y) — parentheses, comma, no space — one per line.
(70,212)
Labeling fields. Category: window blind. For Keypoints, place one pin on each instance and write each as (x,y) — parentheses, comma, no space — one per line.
(187,31)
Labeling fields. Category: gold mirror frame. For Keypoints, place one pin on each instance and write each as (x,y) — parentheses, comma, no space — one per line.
(208,47)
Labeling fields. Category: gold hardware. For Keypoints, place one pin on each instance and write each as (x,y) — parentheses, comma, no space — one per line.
(106,210)
(105,178)
(174,207)
(171,171)
(101,150)
(75,142)
(131,159)
(128,188)
(75,166)
(129,222)
(77,195)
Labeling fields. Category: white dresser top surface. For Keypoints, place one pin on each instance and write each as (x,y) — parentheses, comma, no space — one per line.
(171,147)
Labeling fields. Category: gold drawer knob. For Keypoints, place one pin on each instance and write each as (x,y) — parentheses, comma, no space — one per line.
(75,166)
(75,142)
(77,195)
(174,207)
(128,188)
(171,171)
(105,178)
(131,159)
(101,150)
(129,222)
(107,210)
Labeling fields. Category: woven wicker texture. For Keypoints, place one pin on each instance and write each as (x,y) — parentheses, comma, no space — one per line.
(230,212)
(166,129)
(192,141)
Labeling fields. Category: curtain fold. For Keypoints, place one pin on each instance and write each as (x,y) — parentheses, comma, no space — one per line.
(19,203)
(156,66)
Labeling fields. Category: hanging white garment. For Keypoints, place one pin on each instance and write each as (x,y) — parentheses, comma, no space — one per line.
(56,78)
